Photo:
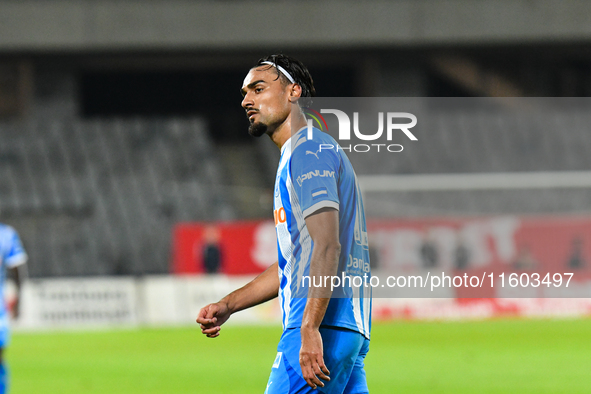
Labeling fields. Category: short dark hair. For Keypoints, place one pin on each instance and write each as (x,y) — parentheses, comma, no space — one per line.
(295,68)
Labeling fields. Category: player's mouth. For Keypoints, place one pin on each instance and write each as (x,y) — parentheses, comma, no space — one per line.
(251,112)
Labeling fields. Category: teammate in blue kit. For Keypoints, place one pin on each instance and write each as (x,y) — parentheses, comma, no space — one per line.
(12,257)
(320,226)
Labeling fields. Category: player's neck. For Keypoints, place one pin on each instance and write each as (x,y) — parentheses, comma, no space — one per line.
(284,131)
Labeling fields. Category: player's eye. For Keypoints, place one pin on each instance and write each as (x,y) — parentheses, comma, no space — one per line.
(258,90)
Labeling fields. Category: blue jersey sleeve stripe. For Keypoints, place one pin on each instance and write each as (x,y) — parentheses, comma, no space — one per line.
(319,193)
(319,205)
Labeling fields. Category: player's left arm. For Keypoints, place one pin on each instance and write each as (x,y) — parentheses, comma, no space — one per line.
(18,274)
(323,226)
(15,260)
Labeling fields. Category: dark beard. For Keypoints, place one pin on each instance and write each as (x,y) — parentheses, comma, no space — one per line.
(257,129)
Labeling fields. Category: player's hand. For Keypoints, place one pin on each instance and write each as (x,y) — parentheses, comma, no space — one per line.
(211,317)
(312,358)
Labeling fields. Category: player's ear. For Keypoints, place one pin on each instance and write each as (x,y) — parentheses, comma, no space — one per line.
(295,92)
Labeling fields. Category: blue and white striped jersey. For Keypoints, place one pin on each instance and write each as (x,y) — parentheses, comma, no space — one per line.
(312,176)
(11,255)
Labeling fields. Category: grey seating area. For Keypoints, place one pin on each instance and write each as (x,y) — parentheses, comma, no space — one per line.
(101,197)
(480,143)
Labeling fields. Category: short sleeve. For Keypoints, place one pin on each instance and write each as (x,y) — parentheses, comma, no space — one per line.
(315,173)
(15,253)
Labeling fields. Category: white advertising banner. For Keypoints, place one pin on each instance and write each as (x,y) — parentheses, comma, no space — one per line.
(79,302)
(176,300)
(127,301)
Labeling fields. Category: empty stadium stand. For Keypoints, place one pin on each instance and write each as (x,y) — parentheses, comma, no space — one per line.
(100,197)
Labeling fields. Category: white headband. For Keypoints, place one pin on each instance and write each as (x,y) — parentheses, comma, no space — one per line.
(283,71)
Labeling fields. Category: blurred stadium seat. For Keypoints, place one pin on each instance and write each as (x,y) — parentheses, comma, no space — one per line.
(100,197)
(481,143)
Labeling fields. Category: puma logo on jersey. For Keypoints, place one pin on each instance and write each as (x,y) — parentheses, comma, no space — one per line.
(308,152)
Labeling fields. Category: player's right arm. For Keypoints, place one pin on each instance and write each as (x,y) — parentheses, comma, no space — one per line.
(261,289)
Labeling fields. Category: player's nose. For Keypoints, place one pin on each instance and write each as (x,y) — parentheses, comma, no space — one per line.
(247,101)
